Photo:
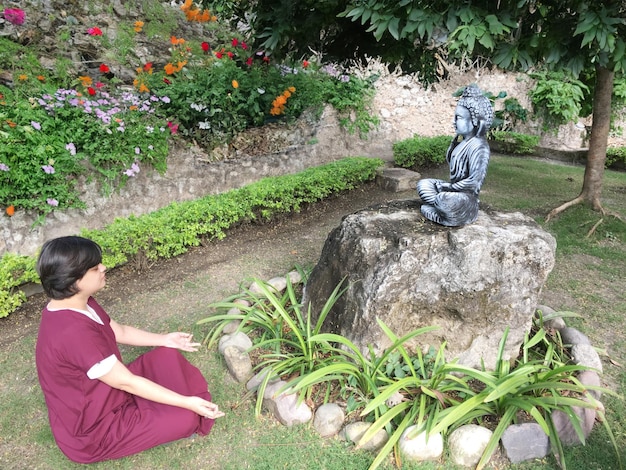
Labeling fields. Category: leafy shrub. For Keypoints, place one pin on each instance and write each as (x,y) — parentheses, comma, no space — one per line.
(557,98)
(419,151)
(170,231)
(397,389)
(615,157)
(15,271)
(515,143)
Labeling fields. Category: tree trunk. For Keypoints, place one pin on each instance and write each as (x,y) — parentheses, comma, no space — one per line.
(596,156)
(594,171)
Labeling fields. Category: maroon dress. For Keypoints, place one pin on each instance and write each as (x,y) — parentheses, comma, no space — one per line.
(92,421)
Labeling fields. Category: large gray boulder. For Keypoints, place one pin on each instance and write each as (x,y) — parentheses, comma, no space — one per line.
(473,281)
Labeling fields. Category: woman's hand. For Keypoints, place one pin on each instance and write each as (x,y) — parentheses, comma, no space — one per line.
(204,408)
(182,341)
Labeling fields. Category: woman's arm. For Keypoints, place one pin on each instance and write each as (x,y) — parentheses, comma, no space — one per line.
(125,334)
(121,378)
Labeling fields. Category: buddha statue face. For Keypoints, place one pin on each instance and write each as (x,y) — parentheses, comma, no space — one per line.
(463,121)
(479,108)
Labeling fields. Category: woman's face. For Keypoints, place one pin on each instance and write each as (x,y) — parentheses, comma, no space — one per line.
(463,121)
(93,280)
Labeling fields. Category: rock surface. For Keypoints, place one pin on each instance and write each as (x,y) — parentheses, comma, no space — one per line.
(473,282)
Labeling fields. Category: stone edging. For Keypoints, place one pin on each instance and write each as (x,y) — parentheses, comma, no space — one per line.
(520,442)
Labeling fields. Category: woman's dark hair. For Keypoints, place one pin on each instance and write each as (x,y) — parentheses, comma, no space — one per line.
(63,261)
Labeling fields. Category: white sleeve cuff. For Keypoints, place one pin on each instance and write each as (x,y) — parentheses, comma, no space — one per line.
(102,368)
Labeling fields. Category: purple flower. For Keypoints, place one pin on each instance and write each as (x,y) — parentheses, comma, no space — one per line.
(71,147)
(14,16)
(133,170)
(344,78)
(4,167)
(49,169)
(36,125)
(52,202)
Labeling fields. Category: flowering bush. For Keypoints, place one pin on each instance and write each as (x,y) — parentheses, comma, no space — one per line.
(50,138)
(55,134)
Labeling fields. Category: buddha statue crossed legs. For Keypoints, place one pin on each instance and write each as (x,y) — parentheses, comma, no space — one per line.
(455,203)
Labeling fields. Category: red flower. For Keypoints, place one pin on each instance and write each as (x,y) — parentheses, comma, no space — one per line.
(166,81)
(266,59)
(219,55)
(305,63)
(104,68)
(230,55)
(99,84)
(91,91)
(95,31)
(205,46)
(244,46)
(249,61)
(173,127)
(147,67)
(235,42)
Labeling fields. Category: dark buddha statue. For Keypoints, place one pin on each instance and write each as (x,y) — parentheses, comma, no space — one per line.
(455,203)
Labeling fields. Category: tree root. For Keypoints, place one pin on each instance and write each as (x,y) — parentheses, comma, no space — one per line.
(563,207)
(593,229)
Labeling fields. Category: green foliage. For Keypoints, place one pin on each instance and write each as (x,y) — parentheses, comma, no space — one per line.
(15,271)
(50,139)
(216,99)
(615,157)
(514,143)
(557,98)
(419,151)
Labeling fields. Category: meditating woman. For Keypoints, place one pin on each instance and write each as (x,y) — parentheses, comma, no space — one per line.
(99,408)
(456,203)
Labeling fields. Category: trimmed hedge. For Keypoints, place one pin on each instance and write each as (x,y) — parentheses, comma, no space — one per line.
(419,151)
(170,231)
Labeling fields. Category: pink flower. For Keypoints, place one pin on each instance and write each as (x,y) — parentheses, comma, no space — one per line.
(52,202)
(95,31)
(14,16)
(173,127)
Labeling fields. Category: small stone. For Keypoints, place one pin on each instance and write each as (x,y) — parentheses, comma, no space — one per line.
(238,339)
(278,283)
(294,277)
(328,419)
(232,326)
(258,378)
(422,447)
(353,432)
(467,444)
(525,442)
(238,363)
(586,355)
(571,336)
(285,406)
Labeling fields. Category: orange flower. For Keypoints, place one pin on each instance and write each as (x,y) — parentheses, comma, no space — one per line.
(143,88)
(177,41)
(292,89)
(286,93)
(133,107)
(11,123)
(41,78)
(280,100)
(86,81)
(169,69)
(10,210)
(187,5)
(235,84)
(138,26)
(22,77)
